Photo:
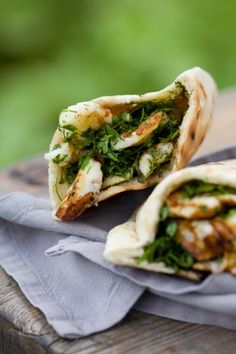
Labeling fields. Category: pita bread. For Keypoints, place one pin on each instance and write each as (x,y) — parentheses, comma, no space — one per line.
(126,242)
(69,200)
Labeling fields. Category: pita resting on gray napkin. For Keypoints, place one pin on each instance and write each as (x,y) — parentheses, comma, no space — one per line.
(79,292)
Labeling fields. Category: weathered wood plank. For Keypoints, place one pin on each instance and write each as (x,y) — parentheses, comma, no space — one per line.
(14,342)
(24,329)
(27,331)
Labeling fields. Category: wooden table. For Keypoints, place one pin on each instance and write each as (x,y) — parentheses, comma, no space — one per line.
(24,329)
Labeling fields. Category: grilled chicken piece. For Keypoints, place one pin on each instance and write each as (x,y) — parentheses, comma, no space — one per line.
(198,207)
(83,192)
(226,263)
(155,156)
(143,131)
(208,239)
(227,199)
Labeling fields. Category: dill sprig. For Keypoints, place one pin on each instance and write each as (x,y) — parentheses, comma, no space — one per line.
(165,248)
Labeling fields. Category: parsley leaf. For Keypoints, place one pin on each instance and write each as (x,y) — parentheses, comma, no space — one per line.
(71,172)
(165,248)
(200,187)
(69,132)
(164,213)
(59,158)
(171,228)
(100,145)
(84,162)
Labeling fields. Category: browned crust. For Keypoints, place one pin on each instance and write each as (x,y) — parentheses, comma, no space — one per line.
(72,207)
(197,127)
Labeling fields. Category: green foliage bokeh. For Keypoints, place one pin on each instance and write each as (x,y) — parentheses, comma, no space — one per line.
(58,52)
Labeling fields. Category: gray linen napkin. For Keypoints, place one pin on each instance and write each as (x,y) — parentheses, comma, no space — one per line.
(79,292)
(77,296)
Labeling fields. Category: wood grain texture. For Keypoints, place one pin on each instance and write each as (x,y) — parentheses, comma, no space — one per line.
(24,329)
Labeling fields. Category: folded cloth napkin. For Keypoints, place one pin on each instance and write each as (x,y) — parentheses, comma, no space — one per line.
(79,292)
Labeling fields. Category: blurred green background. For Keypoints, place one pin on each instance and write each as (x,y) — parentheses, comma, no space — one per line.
(58,52)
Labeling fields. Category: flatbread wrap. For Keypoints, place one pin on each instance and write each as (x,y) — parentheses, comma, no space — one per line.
(187,226)
(119,143)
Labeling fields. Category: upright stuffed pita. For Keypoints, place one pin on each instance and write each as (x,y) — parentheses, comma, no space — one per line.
(118,143)
(186,226)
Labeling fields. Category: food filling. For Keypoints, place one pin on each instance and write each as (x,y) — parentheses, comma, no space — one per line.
(135,141)
(197,229)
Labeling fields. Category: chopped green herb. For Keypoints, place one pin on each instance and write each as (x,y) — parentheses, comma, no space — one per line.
(69,127)
(59,158)
(231,212)
(69,132)
(71,172)
(171,228)
(167,132)
(200,187)
(165,249)
(203,208)
(100,144)
(164,213)
(84,162)
(158,157)
(57,192)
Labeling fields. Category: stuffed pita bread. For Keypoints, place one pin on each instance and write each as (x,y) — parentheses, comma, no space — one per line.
(119,143)
(187,225)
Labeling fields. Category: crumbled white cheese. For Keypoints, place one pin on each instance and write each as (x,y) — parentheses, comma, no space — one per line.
(157,154)
(137,136)
(92,178)
(145,163)
(94,113)
(62,152)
